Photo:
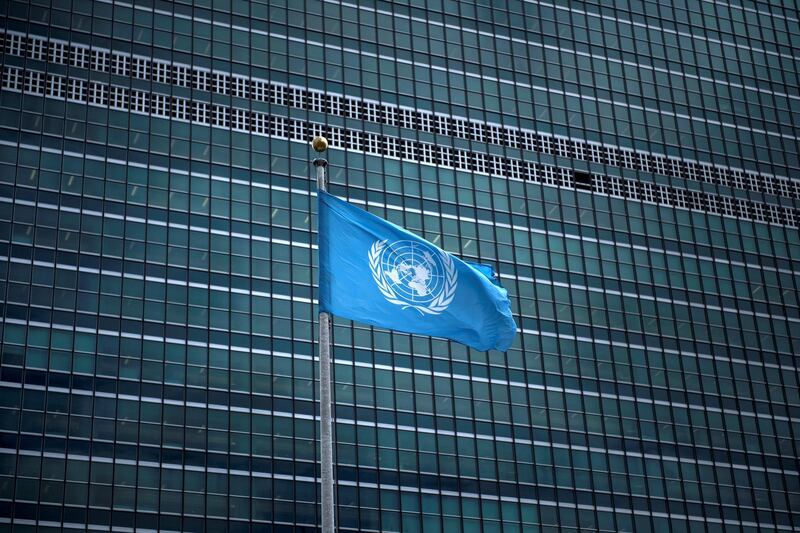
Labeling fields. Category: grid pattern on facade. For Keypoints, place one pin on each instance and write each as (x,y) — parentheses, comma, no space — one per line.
(216,115)
(120,63)
(158,277)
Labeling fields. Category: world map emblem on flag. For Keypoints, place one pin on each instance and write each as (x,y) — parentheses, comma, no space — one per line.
(412,275)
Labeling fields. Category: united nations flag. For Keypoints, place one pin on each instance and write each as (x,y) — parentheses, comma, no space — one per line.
(376,272)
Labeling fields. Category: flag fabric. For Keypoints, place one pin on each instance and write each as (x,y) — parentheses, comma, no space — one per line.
(376,272)
(486,270)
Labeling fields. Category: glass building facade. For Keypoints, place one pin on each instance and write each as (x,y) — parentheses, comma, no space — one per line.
(631,170)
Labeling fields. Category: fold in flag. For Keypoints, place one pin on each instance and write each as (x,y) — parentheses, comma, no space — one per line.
(376,272)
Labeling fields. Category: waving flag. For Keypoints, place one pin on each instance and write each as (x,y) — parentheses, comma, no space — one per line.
(376,272)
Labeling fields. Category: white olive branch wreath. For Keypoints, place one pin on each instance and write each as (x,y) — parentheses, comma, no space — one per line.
(438,305)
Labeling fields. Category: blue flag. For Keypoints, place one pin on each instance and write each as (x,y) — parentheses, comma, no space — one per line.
(376,272)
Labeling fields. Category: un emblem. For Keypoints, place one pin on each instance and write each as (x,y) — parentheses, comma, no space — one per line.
(414,275)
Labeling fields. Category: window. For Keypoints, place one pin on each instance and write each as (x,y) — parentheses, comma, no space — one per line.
(278,94)
(476,130)
(611,156)
(240,86)
(181,109)
(221,83)
(615,187)
(756,183)
(373,143)
(462,159)
(297,97)
(548,175)
(460,127)
(15,44)
(98,93)
(390,115)
(531,171)
(707,172)
(354,140)
(580,150)
(530,140)
(511,137)
(675,167)
(240,119)
(260,91)
(595,153)
(406,117)
(161,105)
(58,52)
(390,145)
(260,123)
(480,162)
(372,111)
(774,214)
(335,136)
(316,101)
(648,192)
(279,126)
(100,60)
(221,116)
(34,82)
(726,206)
(352,108)
(37,48)
(139,101)
(298,129)
(496,165)
(161,72)
(545,144)
(118,97)
(120,64)
(445,156)
(565,177)
(680,198)
(660,164)
(583,180)
(737,180)
(628,159)
(76,90)
(442,125)
(691,171)
(495,134)
(743,208)
(427,153)
(425,122)
(514,169)
(644,162)
(12,78)
(139,68)
(664,196)
(201,112)
(712,206)
(183,76)
(407,149)
(791,218)
(562,147)
(79,56)
(334,104)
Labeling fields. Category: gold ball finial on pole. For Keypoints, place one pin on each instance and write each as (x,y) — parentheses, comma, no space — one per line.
(319,143)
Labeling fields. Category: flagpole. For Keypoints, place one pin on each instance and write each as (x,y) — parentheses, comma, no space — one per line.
(320,144)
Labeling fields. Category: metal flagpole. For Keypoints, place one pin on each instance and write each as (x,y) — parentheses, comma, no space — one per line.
(320,144)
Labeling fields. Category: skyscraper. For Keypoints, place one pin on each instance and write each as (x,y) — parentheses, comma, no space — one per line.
(631,171)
